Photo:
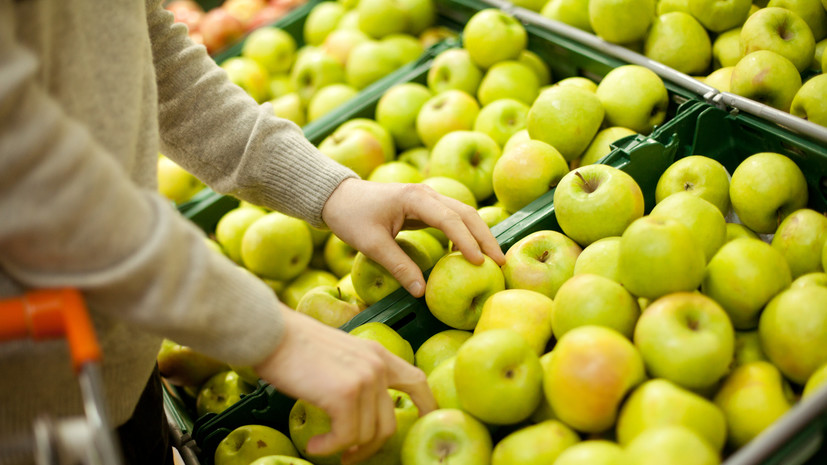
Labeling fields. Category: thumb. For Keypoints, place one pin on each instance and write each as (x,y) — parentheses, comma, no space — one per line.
(388,254)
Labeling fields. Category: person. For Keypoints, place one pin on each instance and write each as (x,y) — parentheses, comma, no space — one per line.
(90,93)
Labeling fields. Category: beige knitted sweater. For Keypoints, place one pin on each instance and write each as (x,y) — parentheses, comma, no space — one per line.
(90,92)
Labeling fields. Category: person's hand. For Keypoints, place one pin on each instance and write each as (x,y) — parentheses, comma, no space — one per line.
(368,215)
(348,378)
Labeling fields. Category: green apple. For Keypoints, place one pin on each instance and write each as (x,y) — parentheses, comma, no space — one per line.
(747,348)
(668,6)
(250,442)
(679,41)
(752,397)
(818,55)
(534,445)
(369,62)
(528,313)
(457,289)
(811,11)
(406,47)
(781,31)
(601,145)
(498,377)
(280,85)
(591,372)
(346,284)
(469,157)
(339,256)
(720,16)
(436,34)
(766,77)
(340,42)
(290,106)
(793,331)
(350,20)
(330,305)
(388,337)
(659,402)
(306,421)
(527,171)
(303,283)
(762,201)
(183,366)
(447,436)
(382,135)
(698,175)
(249,75)
(418,157)
(600,258)
(279,460)
(355,148)
(590,299)
(220,391)
(743,276)
(175,183)
(493,214)
(502,118)
(674,444)
(322,19)
(572,12)
(451,188)
(726,49)
(516,138)
(448,111)
(380,18)
(541,261)
(438,348)
(634,97)
(272,47)
(540,68)
(508,79)
(567,118)
(441,384)
(544,411)
(214,245)
(454,69)
(247,373)
(396,171)
(621,21)
(816,382)
(808,102)
(800,238)
(810,279)
(703,219)
(397,109)
(314,70)
(597,201)
(687,338)
(824,256)
(277,246)
(406,413)
(421,15)
(426,241)
(578,81)
(659,256)
(492,35)
(328,98)
(738,230)
(591,452)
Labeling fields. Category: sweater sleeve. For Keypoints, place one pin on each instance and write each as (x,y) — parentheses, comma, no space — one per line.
(217,132)
(71,217)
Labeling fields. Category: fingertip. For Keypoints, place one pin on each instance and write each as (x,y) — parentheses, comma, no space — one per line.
(322,444)
(416,288)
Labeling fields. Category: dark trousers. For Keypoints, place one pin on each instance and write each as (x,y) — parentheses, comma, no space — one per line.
(145,436)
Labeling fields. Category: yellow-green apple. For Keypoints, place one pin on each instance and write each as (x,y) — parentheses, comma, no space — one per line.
(250,442)
(380,18)
(597,201)
(417,157)
(346,284)
(350,20)
(436,34)
(220,391)
(766,77)
(800,238)
(314,70)
(280,84)
(279,460)
(544,411)
(219,29)
(305,422)
(572,12)
(818,55)
(355,148)
(427,241)
(447,436)
(277,246)
(540,68)
(457,289)
(249,75)
(590,299)
(659,256)
(322,19)
(340,42)
(578,81)
(726,49)
(441,383)
(687,338)
(454,69)
(421,15)
(720,16)
(406,47)
(493,214)
(328,98)
(247,374)
(396,171)
(601,145)
(516,138)
(824,256)
(491,35)
(469,157)
(600,258)
(175,183)
(272,47)
(330,305)
(290,106)
(541,261)
(811,11)
(761,201)
(502,118)
(747,348)
(679,41)
(183,366)
(752,398)
(319,236)
(369,62)
(388,337)
(508,79)
(591,372)
(339,256)
(676,445)
(406,413)
(438,348)
(737,230)
(703,219)
(498,377)
(659,402)
(781,31)
(793,331)
(621,22)
(816,382)
(378,131)
(214,245)
(634,97)
(396,111)
(537,444)
(451,188)
(743,276)
(808,102)
(303,283)
(591,452)
(448,111)
(526,312)
(567,118)
(810,279)
(698,175)
(527,171)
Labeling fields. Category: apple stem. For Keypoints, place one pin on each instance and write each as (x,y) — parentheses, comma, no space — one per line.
(587,186)
(339,290)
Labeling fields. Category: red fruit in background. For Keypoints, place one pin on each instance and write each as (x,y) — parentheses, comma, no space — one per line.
(244,10)
(267,15)
(188,12)
(219,28)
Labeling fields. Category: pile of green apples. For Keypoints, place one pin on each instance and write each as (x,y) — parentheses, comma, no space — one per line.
(760,50)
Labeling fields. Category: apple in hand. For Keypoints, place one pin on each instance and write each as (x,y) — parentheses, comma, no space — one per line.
(633,97)
(277,246)
(600,258)
(330,305)
(250,442)
(597,201)
(502,118)
(221,391)
(388,337)
(525,172)
(590,299)
(703,219)
(492,35)
(447,436)
(493,214)
(438,348)
(541,261)
(720,16)
(679,41)
(457,289)
(698,175)
(396,111)
(454,69)
(451,188)
(406,413)
(528,313)
(801,238)
(567,118)
(183,366)
(766,77)
(675,445)
(538,444)
(306,421)
(621,22)
(448,111)
(808,102)
(781,31)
